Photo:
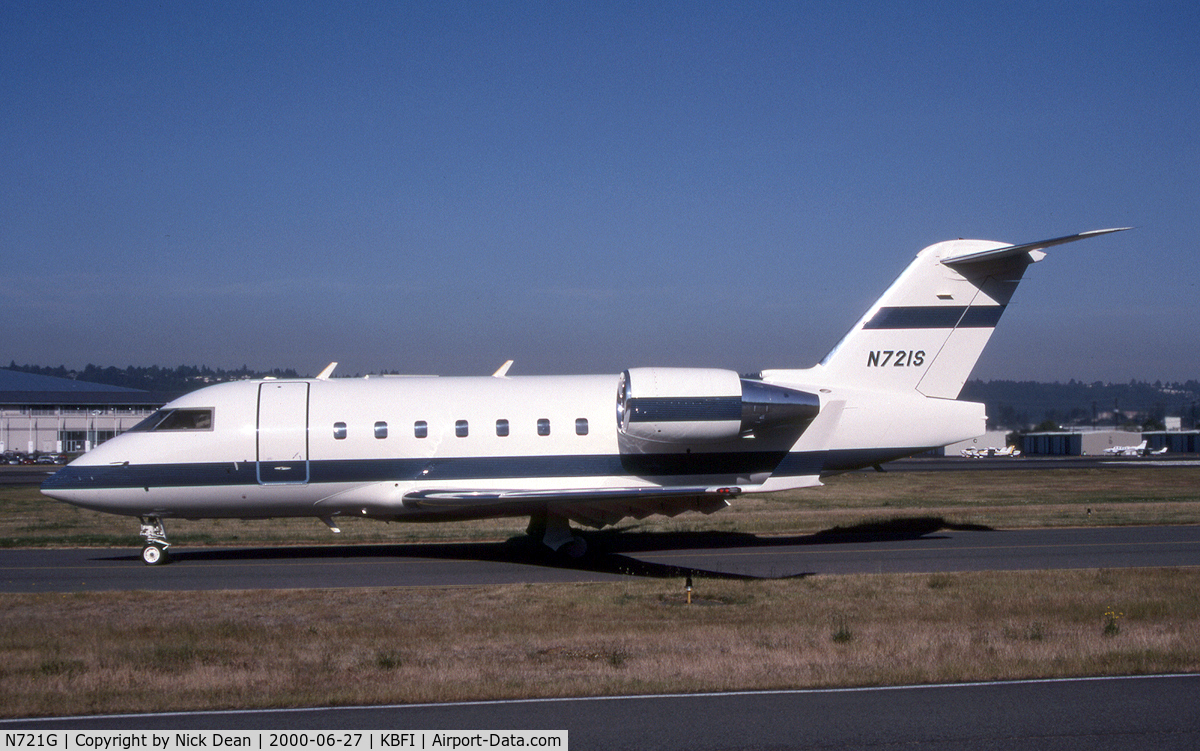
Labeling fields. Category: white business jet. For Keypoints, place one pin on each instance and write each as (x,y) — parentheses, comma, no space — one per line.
(1139,450)
(588,449)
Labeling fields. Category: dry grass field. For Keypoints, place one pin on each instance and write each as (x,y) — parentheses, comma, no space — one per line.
(137,651)
(86,653)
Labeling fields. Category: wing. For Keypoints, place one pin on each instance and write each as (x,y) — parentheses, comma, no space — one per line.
(594,507)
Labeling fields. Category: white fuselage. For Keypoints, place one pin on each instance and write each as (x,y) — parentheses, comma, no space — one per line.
(361,446)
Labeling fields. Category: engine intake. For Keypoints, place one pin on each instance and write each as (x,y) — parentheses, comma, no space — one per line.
(704,405)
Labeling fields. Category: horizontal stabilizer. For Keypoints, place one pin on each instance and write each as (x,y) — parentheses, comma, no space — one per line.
(1013,250)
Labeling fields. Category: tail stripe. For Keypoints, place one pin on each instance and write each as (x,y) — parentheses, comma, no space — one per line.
(936,317)
(982,317)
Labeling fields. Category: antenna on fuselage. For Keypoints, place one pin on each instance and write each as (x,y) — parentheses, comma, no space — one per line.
(328,371)
(502,371)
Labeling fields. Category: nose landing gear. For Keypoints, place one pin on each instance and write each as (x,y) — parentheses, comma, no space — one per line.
(154,553)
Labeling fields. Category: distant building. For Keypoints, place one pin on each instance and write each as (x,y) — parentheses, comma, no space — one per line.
(42,414)
(1174,441)
(1096,442)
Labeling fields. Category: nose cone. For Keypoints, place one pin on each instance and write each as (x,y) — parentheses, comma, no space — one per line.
(72,483)
(64,477)
(95,480)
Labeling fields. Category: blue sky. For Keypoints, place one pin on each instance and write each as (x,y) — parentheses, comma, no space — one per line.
(586,187)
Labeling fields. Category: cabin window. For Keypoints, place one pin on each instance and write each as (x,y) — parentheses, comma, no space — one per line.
(176,419)
(581,426)
(339,431)
(502,428)
(460,428)
(543,426)
(421,429)
(381,429)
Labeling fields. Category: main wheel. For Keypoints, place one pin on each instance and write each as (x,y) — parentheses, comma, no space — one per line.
(154,555)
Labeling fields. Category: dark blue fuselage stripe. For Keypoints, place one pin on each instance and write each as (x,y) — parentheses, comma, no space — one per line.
(453,469)
(936,317)
(446,470)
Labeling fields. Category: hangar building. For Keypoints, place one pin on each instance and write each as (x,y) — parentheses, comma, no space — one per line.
(46,415)
(1095,442)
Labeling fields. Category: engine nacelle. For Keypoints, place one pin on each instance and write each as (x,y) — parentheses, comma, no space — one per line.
(706,405)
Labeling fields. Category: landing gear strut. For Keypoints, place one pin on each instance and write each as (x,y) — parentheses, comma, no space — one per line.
(554,532)
(154,553)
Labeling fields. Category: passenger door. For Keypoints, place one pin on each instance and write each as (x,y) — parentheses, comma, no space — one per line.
(282,433)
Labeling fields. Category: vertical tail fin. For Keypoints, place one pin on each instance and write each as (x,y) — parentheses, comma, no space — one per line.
(929,328)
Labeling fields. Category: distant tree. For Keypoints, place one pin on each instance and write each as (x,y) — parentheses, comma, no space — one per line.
(154,378)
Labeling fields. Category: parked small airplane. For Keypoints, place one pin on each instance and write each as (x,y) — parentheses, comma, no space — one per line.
(974,453)
(1139,450)
(588,449)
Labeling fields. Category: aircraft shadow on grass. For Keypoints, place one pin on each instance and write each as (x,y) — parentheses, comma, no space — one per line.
(610,551)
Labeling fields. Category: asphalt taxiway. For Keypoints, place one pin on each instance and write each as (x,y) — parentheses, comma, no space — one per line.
(1089,714)
(910,545)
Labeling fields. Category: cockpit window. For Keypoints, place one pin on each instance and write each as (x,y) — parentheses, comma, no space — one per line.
(176,419)
(149,422)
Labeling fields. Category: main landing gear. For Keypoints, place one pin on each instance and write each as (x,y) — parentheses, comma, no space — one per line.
(155,551)
(554,532)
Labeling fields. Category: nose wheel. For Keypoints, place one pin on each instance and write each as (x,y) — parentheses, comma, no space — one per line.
(154,553)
